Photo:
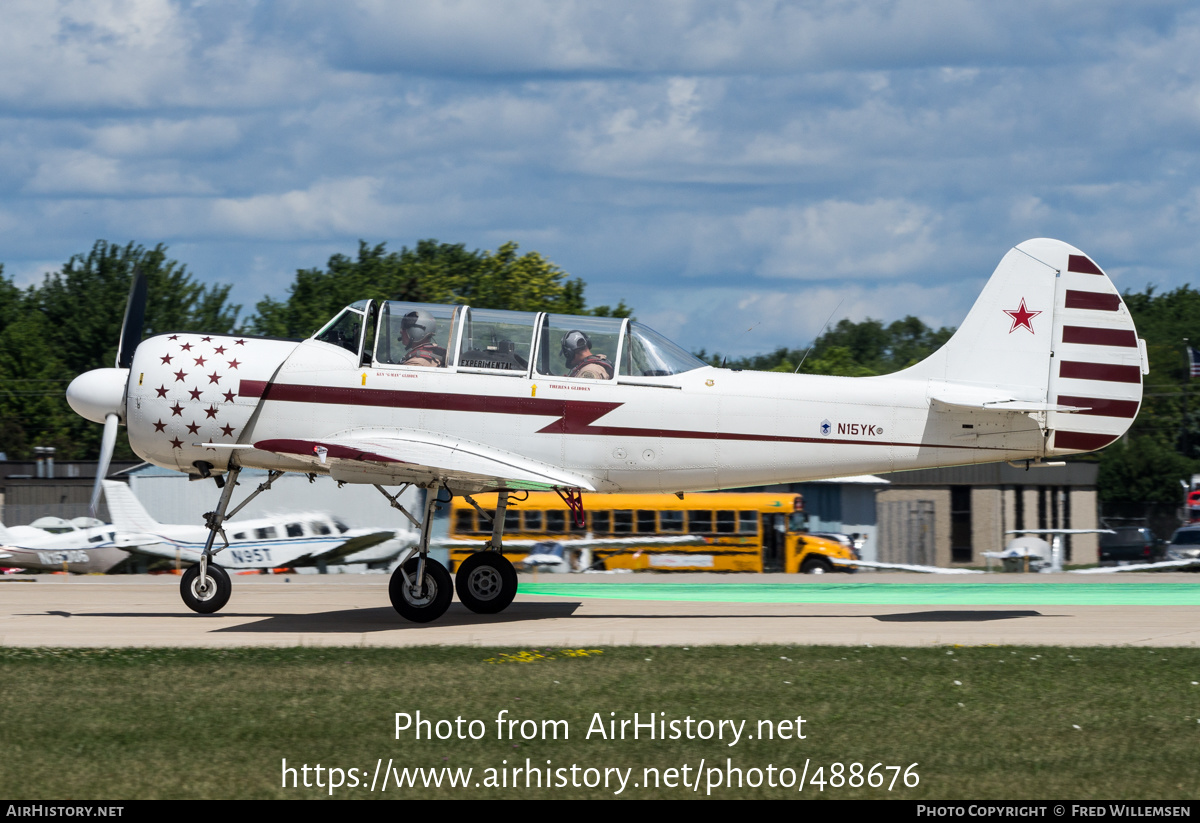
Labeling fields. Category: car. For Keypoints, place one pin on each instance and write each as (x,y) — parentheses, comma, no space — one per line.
(1130,543)
(1185,543)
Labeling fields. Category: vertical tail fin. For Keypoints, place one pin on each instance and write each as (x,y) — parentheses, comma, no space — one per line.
(128,513)
(1051,334)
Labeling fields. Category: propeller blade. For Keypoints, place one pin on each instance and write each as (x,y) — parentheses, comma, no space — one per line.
(107,444)
(135,316)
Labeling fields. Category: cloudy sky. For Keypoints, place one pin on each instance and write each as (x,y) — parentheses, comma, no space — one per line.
(732,170)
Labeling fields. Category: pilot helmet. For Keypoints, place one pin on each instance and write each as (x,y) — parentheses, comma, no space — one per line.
(420,326)
(574,341)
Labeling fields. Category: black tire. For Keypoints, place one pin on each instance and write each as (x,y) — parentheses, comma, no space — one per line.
(207,599)
(486,583)
(434,598)
(816,565)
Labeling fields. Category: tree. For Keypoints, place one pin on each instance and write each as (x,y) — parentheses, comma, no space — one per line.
(852,349)
(431,272)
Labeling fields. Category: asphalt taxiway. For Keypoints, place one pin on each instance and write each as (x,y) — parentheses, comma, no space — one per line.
(579,611)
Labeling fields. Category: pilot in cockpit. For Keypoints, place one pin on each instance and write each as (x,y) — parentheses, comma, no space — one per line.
(577,351)
(417,330)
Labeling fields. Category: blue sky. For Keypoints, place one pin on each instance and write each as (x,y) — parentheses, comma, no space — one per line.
(734,171)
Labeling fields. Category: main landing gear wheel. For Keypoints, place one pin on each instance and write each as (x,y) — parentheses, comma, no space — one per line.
(486,583)
(434,598)
(208,595)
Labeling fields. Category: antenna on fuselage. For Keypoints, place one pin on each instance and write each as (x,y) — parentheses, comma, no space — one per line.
(818,337)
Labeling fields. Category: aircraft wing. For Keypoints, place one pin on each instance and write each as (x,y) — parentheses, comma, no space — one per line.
(355,544)
(904,567)
(1138,567)
(431,456)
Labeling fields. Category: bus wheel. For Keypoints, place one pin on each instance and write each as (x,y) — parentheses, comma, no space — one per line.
(816,565)
(486,583)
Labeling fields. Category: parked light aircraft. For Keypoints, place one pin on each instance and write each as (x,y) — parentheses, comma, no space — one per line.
(263,543)
(84,545)
(1046,363)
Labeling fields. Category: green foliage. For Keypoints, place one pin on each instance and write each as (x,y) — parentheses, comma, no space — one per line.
(431,272)
(851,349)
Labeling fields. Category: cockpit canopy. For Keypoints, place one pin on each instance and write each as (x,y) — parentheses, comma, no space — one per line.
(393,333)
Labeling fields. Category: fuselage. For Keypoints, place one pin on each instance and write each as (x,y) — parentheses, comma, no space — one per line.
(86,550)
(204,398)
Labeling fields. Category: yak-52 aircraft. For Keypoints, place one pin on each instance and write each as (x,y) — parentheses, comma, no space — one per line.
(460,400)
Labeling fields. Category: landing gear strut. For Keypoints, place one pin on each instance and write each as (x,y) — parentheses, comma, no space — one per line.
(205,587)
(420,589)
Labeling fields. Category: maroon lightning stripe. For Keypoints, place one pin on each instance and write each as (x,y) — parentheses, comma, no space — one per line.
(572,416)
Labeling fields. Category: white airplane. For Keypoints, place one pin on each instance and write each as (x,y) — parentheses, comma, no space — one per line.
(463,400)
(263,543)
(84,545)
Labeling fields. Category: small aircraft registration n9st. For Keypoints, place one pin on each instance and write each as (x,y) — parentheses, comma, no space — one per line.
(461,400)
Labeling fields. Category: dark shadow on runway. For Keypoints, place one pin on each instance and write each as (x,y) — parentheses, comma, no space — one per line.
(954,616)
(386,620)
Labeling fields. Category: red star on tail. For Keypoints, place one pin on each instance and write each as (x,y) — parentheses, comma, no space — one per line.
(1021,317)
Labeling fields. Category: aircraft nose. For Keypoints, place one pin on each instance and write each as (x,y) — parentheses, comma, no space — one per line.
(98,393)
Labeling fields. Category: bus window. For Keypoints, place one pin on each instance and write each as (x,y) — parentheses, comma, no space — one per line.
(602,522)
(512,520)
(646,522)
(464,521)
(622,522)
(748,522)
(671,521)
(556,522)
(700,522)
(726,522)
(533,521)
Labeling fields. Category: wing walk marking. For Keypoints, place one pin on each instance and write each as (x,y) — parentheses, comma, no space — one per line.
(1101,406)
(1091,336)
(1100,371)
(573,416)
(1097,300)
(1081,264)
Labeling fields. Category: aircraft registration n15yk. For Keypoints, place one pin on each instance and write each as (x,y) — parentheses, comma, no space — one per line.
(459,400)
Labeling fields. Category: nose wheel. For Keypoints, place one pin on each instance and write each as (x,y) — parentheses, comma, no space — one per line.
(486,582)
(207,594)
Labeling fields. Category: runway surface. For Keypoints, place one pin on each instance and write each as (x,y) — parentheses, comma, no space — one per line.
(559,611)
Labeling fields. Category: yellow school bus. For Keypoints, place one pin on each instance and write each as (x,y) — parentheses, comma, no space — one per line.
(728,532)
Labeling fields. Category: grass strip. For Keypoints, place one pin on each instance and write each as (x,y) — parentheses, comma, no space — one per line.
(978,722)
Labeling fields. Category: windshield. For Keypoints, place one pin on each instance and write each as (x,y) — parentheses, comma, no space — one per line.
(345,330)
(648,354)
